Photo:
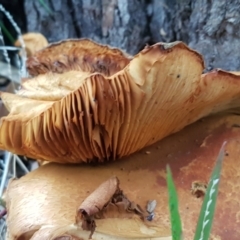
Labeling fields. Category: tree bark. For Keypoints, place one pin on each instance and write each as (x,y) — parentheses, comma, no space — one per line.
(210,27)
(119,23)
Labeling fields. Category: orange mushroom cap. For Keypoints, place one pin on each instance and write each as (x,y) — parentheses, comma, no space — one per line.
(93,103)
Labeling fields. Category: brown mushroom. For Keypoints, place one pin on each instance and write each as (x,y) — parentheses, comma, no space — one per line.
(43,204)
(78,54)
(74,114)
(33,42)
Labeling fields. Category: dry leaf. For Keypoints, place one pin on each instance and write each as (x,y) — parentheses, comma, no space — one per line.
(95,203)
(99,199)
(107,193)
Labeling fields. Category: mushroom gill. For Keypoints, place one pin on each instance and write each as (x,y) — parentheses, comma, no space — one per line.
(80,112)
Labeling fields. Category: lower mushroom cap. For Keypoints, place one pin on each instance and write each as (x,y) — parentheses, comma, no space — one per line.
(45,201)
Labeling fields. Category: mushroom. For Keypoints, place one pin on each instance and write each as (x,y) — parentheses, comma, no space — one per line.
(33,42)
(44,203)
(92,103)
(78,54)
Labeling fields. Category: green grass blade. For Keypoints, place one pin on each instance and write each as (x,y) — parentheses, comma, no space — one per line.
(205,219)
(7,33)
(176,224)
(2,203)
(46,7)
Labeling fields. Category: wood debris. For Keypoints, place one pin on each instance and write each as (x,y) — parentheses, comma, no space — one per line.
(94,205)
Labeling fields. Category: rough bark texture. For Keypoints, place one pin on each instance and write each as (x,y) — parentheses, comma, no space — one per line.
(210,26)
(213,29)
(119,23)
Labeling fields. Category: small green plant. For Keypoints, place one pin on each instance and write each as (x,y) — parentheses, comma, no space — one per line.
(205,219)
(7,33)
(2,203)
(176,224)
